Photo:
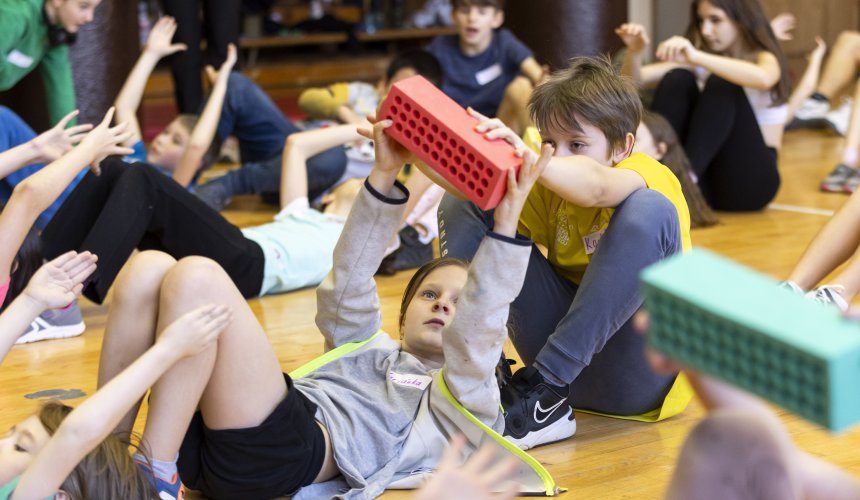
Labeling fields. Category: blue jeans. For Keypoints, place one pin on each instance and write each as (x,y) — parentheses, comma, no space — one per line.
(14,132)
(262,129)
(583,334)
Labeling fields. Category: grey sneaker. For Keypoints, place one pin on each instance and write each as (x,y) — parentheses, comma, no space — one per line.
(851,184)
(835,180)
(829,295)
(55,324)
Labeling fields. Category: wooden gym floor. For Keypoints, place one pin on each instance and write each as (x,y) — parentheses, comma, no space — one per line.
(607,459)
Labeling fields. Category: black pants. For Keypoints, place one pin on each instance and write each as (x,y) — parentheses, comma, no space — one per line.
(219,27)
(737,171)
(136,206)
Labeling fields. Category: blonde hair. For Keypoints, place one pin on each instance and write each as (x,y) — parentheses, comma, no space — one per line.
(108,471)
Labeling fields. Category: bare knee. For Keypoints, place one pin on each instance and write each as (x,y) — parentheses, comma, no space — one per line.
(142,276)
(194,279)
(519,90)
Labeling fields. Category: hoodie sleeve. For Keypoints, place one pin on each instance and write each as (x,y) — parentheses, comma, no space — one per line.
(473,342)
(347,302)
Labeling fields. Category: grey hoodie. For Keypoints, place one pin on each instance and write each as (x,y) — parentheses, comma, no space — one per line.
(386,413)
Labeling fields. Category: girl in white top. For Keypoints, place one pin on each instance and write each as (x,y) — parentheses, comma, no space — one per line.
(724,89)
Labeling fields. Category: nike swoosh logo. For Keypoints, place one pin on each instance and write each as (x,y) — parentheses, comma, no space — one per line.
(546,413)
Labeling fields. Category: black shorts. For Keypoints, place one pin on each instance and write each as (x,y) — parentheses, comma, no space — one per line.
(274,459)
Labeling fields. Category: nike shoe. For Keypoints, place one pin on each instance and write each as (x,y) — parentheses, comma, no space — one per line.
(837,179)
(839,118)
(55,324)
(536,412)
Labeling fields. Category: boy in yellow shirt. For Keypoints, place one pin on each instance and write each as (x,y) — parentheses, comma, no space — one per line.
(603,213)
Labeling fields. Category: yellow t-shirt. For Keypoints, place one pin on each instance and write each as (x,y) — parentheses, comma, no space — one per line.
(572,233)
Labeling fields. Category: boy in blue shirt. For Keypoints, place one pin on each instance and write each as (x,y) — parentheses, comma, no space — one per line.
(486,66)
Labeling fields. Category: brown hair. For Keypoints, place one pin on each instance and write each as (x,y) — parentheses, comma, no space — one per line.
(419,277)
(497,4)
(754,27)
(108,471)
(188,122)
(701,214)
(591,90)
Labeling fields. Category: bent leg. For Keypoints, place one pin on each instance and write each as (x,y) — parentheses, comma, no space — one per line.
(675,98)
(131,320)
(514,108)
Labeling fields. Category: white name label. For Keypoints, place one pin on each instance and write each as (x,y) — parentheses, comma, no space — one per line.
(590,241)
(417,381)
(19,59)
(487,75)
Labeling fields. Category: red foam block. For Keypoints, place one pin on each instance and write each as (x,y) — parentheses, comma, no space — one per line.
(442,134)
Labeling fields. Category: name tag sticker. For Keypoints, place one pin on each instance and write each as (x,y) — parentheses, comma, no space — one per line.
(590,241)
(19,59)
(417,381)
(487,75)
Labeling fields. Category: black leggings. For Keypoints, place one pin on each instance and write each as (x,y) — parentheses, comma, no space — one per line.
(737,171)
(136,206)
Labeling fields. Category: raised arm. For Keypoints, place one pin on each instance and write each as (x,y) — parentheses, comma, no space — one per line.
(99,415)
(302,145)
(761,74)
(578,179)
(44,148)
(532,70)
(35,193)
(54,285)
(128,100)
(636,39)
(473,342)
(207,125)
(347,303)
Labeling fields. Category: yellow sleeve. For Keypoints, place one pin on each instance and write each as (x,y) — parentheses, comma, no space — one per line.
(534,218)
(321,103)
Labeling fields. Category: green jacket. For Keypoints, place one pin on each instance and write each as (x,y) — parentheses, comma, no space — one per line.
(24,45)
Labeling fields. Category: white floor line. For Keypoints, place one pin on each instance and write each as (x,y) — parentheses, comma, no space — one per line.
(802,210)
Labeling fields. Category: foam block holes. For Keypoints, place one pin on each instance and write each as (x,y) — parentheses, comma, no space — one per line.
(398,126)
(434,155)
(480,192)
(412,124)
(434,128)
(407,106)
(407,133)
(462,177)
(443,135)
(393,110)
(398,100)
(402,117)
(421,131)
(425,121)
(425,148)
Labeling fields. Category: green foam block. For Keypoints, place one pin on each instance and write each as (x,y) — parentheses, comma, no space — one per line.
(738,325)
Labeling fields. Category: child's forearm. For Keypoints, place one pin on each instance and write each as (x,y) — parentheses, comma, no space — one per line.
(302,145)
(761,75)
(129,97)
(585,183)
(38,191)
(631,65)
(203,133)
(532,70)
(15,320)
(18,157)
(91,422)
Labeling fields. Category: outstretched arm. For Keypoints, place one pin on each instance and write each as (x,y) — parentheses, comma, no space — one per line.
(128,100)
(97,417)
(302,145)
(207,125)
(35,193)
(44,148)
(54,285)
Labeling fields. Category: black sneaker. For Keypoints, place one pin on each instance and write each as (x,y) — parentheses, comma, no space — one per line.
(536,412)
(503,371)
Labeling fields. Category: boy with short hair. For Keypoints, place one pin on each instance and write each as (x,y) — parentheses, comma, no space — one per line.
(486,66)
(603,215)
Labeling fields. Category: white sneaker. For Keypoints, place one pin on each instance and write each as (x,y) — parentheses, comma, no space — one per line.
(792,287)
(839,118)
(55,324)
(829,295)
(812,109)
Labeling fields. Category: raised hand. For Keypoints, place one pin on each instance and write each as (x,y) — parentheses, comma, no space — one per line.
(160,37)
(677,49)
(58,282)
(634,36)
(493,128)
(508,211)
(783,25)
(226,67)
(476,479)
(105,141)
(819,50)
(58,140)
(390,154)
(196,330)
